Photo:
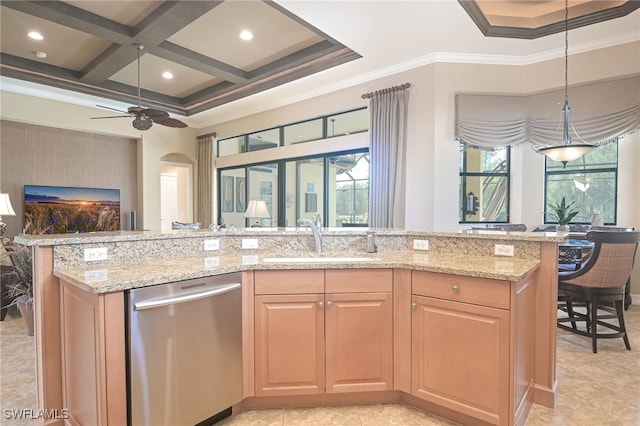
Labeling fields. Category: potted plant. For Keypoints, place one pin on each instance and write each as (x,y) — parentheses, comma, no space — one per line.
(563,213)
(19,282)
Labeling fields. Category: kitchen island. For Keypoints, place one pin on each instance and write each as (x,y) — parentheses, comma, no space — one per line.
(495,314)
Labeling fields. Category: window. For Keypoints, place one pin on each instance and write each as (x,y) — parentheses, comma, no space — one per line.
(351,173)
(238,186)
(339,124)
(303,132)
(590,182)
(484,185)
(334,186)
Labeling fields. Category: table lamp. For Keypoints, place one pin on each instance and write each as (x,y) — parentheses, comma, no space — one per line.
(5,210)
(257,209)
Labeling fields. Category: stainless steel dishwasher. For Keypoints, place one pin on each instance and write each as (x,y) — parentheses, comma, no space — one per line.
(185,351)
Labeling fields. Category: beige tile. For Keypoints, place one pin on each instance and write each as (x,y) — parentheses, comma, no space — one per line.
(394,414)
(344,416)
(255,417)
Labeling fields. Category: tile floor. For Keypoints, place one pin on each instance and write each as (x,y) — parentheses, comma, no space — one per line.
(595,389)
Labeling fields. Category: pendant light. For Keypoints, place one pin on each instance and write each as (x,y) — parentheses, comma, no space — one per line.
(566,151)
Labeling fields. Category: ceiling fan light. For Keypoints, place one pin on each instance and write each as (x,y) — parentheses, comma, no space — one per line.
(142,123)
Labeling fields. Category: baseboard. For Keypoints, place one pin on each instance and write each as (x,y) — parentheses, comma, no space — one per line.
(635,299)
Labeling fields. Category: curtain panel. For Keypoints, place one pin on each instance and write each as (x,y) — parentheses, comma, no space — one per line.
(599,113)
(388,134)
(205,180)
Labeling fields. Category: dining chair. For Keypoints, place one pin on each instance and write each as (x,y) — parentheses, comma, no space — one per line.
(599,286)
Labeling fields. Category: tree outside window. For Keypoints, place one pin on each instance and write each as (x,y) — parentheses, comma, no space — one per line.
(591,182)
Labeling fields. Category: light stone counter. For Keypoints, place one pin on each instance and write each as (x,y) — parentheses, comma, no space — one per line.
(142,258)
(110,278)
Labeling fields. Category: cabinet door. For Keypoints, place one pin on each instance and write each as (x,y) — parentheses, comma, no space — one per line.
(289,344)
(460,357)
(359,342)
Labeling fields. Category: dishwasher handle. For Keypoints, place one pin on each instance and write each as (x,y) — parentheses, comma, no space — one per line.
(186,298)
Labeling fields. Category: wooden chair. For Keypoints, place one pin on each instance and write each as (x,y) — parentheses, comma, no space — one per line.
(599,285)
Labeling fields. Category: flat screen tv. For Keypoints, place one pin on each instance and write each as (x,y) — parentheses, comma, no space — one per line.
(61,209)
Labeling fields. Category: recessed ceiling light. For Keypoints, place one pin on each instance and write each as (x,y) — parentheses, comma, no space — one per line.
(41,55)
(167,75)
(35,35)
(246,35)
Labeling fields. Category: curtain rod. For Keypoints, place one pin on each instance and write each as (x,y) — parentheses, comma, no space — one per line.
(387,90)
(206,136)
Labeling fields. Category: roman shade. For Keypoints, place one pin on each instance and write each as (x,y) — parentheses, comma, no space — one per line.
(599,112)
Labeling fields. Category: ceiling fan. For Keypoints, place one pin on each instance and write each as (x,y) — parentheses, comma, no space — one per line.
(144,117)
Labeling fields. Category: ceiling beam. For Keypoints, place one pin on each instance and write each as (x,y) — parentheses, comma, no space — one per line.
(477,16)
(178,54)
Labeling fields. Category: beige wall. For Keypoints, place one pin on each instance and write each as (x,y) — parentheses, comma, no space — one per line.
(39,155)
(152,146)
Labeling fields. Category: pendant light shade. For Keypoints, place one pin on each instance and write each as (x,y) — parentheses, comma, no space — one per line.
(566,151)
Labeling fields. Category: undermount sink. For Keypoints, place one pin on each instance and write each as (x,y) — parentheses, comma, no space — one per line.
(318,259)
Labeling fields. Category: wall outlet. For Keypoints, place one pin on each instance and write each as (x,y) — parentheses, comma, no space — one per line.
(421,244)
(96,276)
(92,254)
(211,262)
(212,245)
(250,259)
(249,243)
(503,250)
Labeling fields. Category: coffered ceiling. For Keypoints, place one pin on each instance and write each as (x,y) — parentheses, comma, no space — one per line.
(89,48)
(315,45)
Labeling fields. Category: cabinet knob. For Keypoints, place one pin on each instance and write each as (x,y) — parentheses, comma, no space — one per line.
(329,303)
(455,288)
(414,305)
(320,305)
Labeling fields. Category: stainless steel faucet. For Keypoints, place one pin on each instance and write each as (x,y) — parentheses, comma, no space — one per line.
(316,228)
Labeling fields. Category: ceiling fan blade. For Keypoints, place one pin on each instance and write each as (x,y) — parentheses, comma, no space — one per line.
(171,122)
(113,116)
(112,109)
(155,114)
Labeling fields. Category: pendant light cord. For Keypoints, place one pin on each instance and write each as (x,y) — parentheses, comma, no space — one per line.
(566,51)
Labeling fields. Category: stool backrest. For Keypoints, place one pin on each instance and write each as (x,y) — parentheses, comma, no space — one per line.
(610,262)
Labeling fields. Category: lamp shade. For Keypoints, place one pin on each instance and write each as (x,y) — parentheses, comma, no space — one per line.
(257,208)
(566,153)
(5,206)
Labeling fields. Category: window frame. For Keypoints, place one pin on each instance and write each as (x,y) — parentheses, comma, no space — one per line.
(464,174)
(244,148)
(281,184)
(584,171)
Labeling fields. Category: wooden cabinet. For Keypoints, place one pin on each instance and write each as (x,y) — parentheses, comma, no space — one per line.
(93,356)
(309,342)
(359,342)
(462,351)
(289,344)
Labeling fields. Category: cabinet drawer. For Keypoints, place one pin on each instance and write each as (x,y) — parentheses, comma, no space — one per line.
(289,282)
(358,280)
(479,291)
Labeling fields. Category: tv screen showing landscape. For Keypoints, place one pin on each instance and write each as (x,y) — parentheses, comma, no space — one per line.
(61,210)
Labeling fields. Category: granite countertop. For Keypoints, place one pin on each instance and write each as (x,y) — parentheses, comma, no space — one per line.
(119,236)
(110,278)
